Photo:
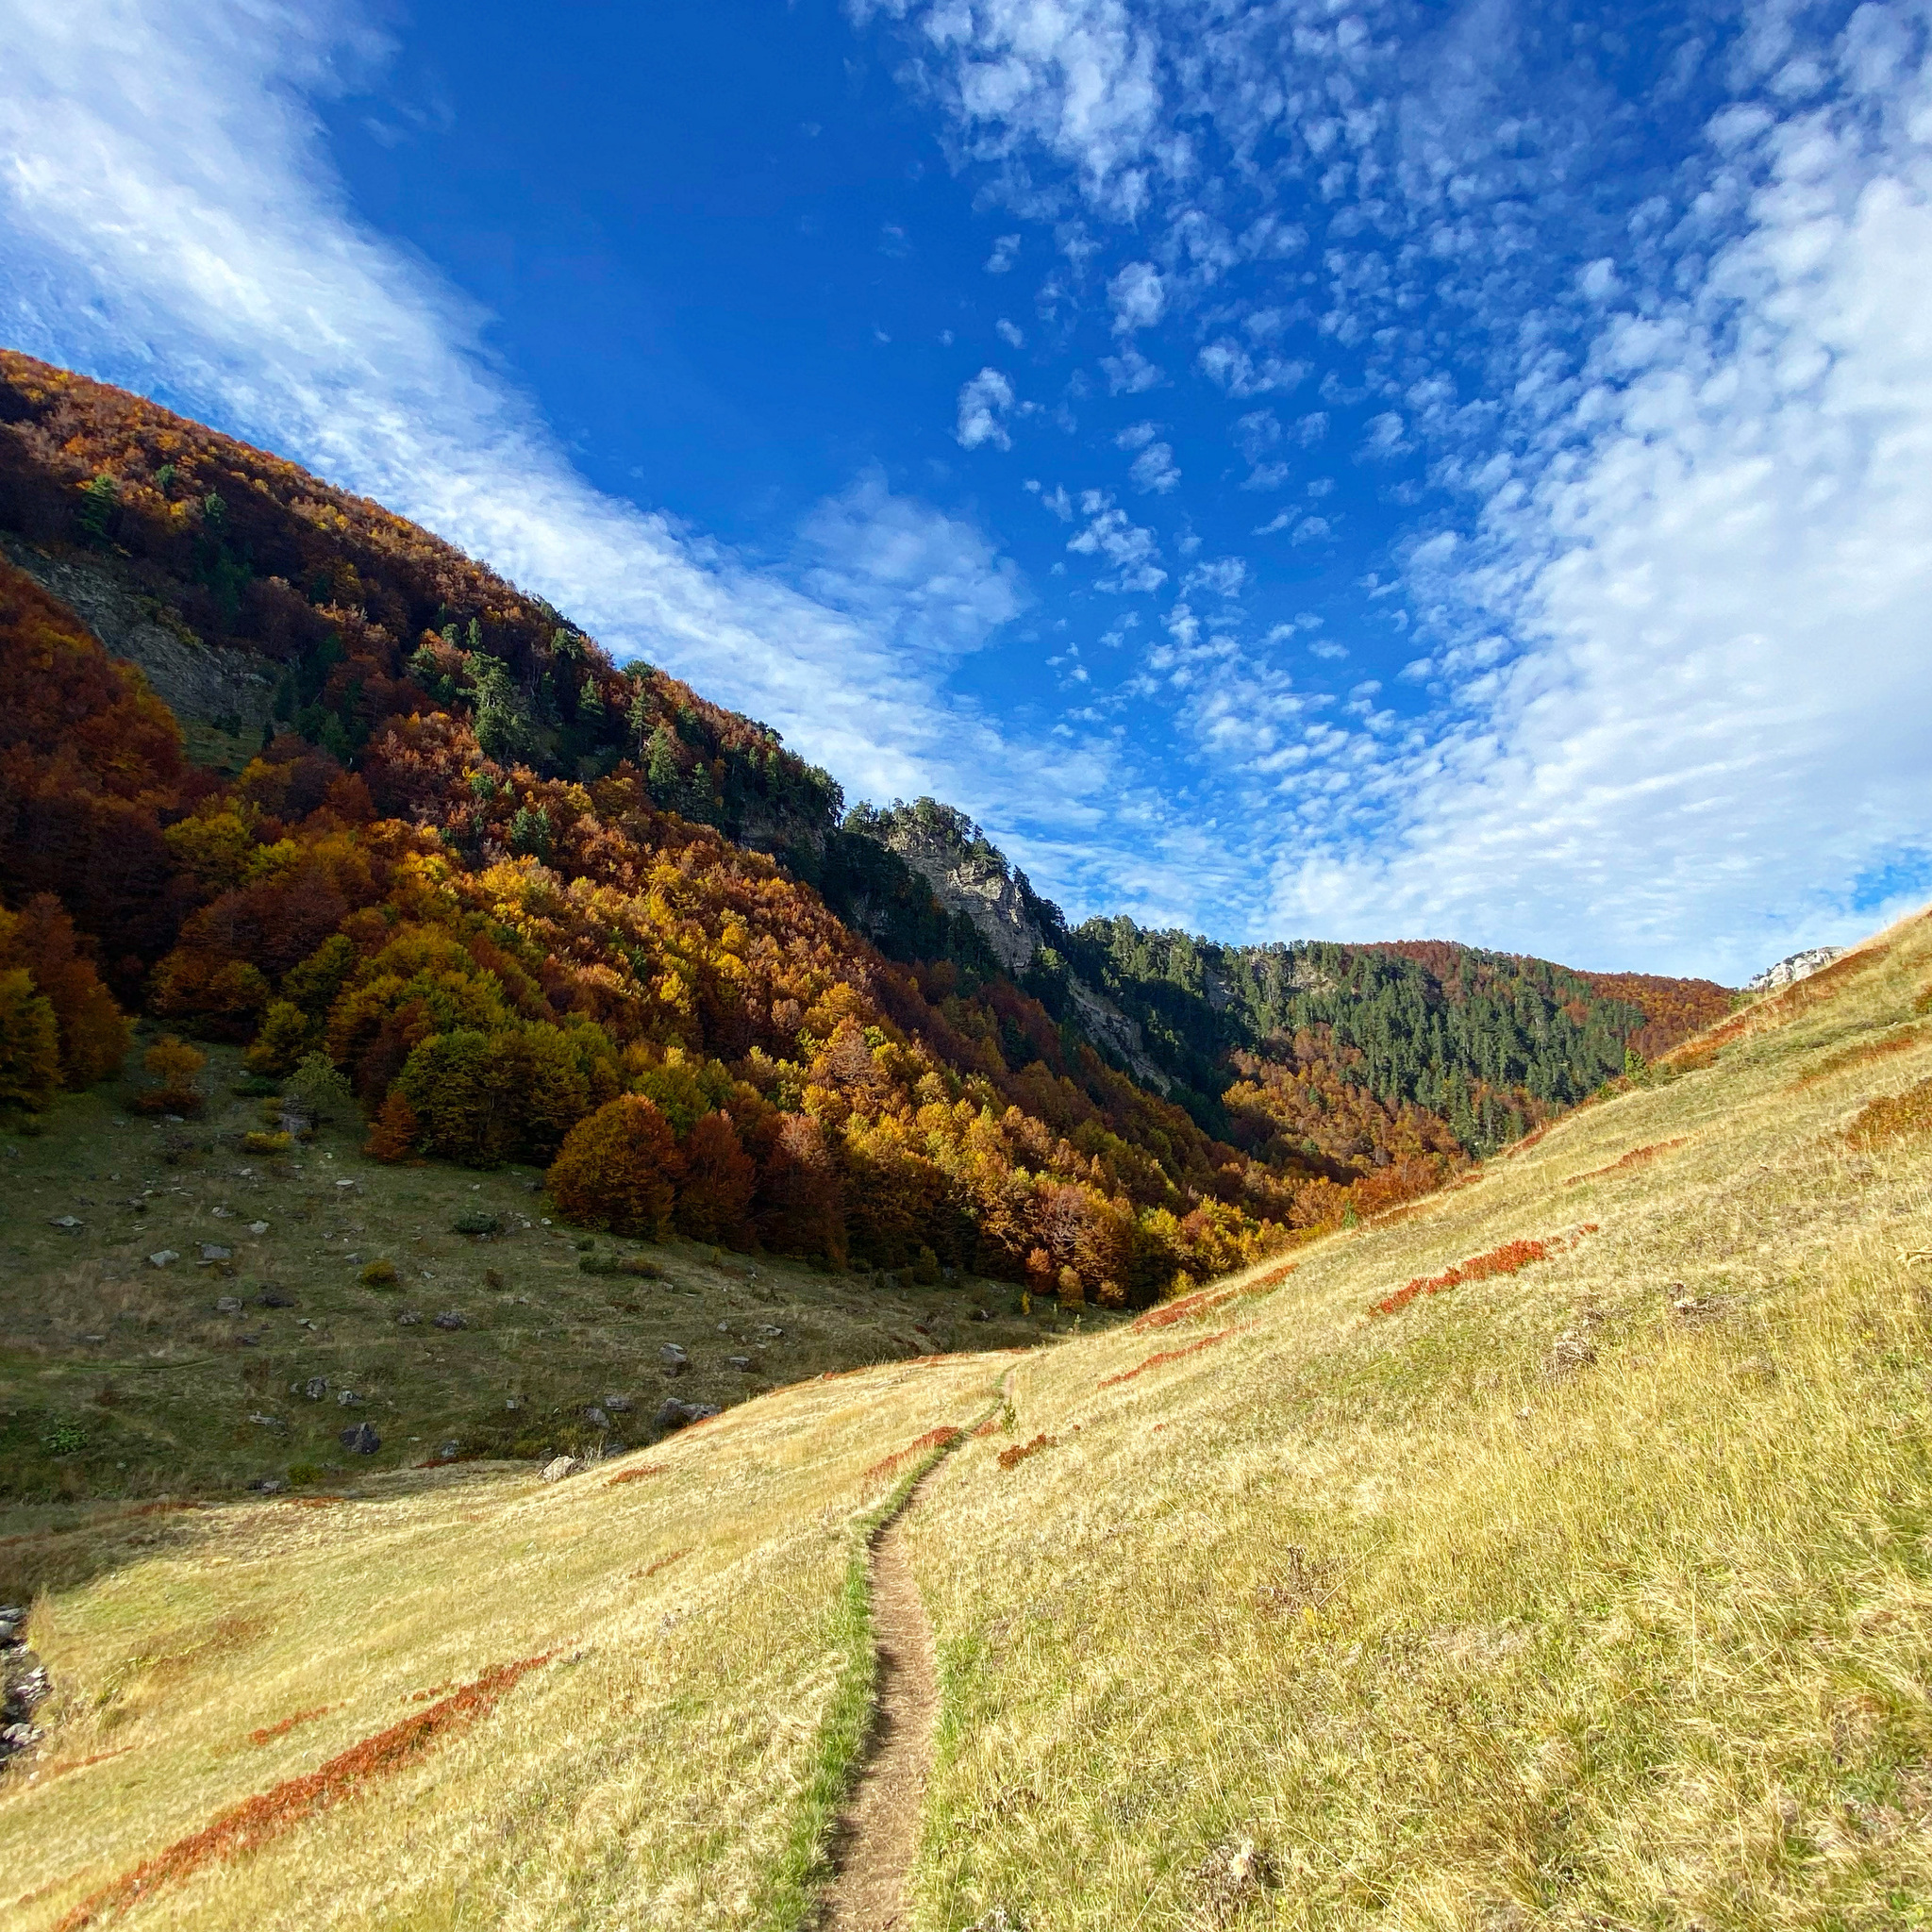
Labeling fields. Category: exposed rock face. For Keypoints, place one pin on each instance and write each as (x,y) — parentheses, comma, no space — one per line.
(972,880)
(1799,966)
(208,683)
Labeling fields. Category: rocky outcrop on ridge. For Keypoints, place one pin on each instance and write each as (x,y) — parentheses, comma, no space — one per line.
(1798,966)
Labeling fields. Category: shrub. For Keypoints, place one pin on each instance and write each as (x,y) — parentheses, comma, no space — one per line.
(282,1041)
(172,1064)
(1893,1117)
(29,1045)
(379,1275)
(476,1220)
(618,1168)
(396,1131)
(319,1090)
(267,1143)
(640,1265)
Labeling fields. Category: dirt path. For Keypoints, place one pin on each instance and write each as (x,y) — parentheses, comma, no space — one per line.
(881,1825)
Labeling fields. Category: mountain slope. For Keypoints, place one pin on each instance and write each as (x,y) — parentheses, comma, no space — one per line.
(1551,1552)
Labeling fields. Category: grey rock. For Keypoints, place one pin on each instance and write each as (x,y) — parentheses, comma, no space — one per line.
(315,1388)
(559,1467)
(448,1318)
(268,1485)
(773,1333)
(596,1418)
(409,1317)
(1788,972)
(619,1405)
(673,1414)
(360,1439)
(347,1398)
(675,1360)
(273,1298)
(258,1227)
(267,1422)
(66,1224)
(213,1250)
(738,1361)
(228,1304)
(979,1315)
(448,1452)
(164,1257)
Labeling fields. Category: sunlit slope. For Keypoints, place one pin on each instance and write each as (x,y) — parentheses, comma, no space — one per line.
(695,1656)
(1597,1593)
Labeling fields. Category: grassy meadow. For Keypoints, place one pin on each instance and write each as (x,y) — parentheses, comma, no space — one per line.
(1556,1552)
(119,1378)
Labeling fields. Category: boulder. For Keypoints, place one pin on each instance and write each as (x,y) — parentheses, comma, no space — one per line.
(360,1439)
(213,1250)
(559,1467)
(273,1298)
(228,1304)
(164,1257)
(596,1418)
(738,1361)
(448,1318)
(673,1414)
(619,1405)
(315,1388)
(675,1360)
(66,1224)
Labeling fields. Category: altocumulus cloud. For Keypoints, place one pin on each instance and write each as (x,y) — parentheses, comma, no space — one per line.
(1668,601)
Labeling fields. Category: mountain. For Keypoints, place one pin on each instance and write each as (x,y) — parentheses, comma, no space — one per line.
(372,811)
(1550,1553)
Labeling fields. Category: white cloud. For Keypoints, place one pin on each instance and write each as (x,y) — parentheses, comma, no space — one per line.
(1130,550)
(1155,471)
(1230,366)
(1130,373)
(1006,251)
(1010,333)
(1138,296)
(1137,436)
(985,401)
(1225,576)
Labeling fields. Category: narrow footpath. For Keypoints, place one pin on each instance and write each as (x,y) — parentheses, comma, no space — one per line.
(881,1825)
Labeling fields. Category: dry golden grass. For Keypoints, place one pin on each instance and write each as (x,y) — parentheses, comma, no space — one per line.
(1595,1595)
(1590,1589)
(463,1698)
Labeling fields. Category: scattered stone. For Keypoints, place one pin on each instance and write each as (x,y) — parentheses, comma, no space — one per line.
(93,1337)
(768,1330)
(407,1317)
(675,1360)
(166,1257)
(267,1422)
(360,1439)
(345,1184)
(347,1398)
(66,1224)
(979,1315)
(619,1405)
(222,1213)
(448,1452)
(512,1402)
(738,1361)
(268,1485)
(596,1418)
(258,1227)
(559,1467)
(448,1318)
(213,1250)
(228,1304)
(12,1621)
(673,1414)
(315,1388)
(273,1298)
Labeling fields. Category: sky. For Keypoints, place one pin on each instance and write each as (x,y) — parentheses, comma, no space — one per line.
(1349,469)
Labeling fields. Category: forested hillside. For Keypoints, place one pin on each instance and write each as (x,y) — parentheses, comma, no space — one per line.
(532,906)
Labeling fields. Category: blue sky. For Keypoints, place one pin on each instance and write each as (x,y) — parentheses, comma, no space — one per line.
(1356,469)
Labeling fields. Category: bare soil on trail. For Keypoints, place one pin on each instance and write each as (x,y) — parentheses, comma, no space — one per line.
(880,1830)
